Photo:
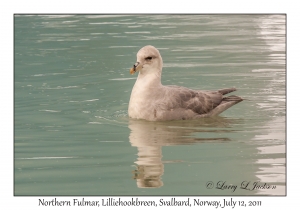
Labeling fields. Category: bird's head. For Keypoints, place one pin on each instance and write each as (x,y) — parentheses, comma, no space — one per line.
(148,61)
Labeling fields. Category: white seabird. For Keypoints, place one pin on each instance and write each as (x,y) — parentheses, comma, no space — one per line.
(152,101)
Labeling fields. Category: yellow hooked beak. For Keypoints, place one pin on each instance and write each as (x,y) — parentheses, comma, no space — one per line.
(136,67)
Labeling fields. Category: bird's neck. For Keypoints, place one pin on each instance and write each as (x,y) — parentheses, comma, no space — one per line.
(149,80)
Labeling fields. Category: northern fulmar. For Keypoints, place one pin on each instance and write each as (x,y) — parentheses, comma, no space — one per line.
(152,101)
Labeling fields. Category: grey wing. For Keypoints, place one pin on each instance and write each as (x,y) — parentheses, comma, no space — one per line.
(200,102)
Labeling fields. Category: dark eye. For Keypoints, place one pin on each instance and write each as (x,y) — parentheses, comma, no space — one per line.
(149,58)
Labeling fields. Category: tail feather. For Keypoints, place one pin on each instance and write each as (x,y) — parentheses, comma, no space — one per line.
(226,103)
(226,91)
(232,98)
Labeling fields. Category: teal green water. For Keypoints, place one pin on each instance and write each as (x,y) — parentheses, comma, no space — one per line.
(72,87)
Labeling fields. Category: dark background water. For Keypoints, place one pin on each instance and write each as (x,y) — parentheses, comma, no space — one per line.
(71,91)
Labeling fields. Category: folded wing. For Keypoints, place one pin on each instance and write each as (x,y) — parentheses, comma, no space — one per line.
(203,103)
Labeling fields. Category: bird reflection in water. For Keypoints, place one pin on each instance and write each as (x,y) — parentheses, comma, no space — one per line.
(149,167)
(149,137)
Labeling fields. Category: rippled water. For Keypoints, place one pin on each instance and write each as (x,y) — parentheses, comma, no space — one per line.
(72,86)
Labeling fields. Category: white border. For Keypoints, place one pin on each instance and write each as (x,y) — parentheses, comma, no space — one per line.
(8,8)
